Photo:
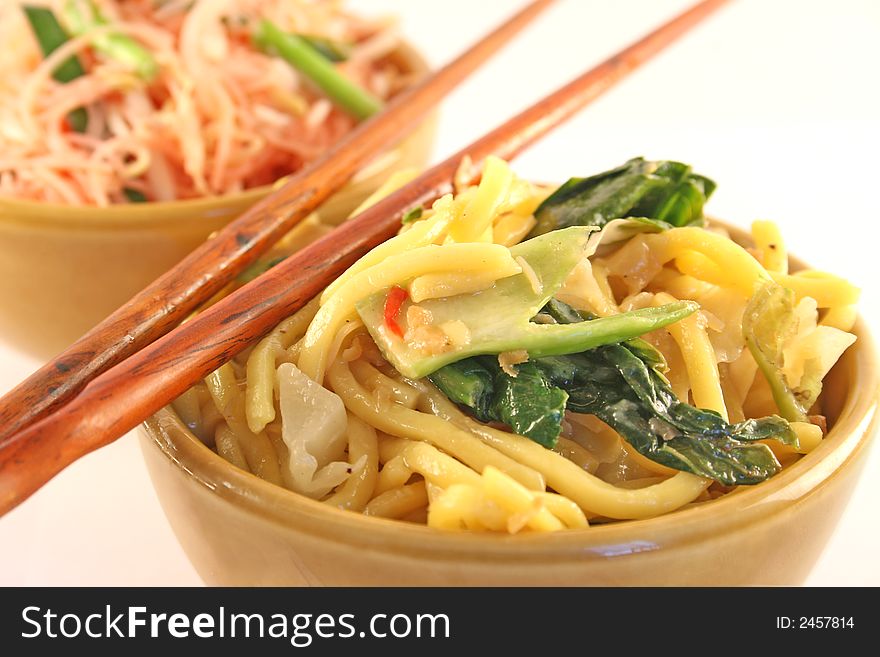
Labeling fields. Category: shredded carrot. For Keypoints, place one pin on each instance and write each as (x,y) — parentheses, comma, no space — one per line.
(219,117)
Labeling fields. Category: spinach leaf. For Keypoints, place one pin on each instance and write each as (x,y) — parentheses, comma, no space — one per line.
(620,389)
(623,385)
(667,194)
(529,404)
(468,383)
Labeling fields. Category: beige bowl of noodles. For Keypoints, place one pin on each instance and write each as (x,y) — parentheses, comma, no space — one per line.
(64,268)
(238,529)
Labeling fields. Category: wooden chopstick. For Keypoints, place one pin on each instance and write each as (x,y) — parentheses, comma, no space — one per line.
(172,297)
(116,401)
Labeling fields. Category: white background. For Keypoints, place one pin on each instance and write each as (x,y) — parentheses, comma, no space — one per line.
(777,100)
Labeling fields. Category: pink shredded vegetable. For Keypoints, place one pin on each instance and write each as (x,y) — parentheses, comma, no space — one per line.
(219,117)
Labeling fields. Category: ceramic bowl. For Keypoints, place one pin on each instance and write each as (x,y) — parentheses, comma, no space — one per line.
(240,530)
(63,269)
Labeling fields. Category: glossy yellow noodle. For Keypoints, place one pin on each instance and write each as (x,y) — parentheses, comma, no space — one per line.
(463,508)
(525,508)
(407,423)
(678,284)
(421,233)
(735,266)
(565,509)
(446,284)
(263,361)
(261,457)
(477,258)
(188,406)
(394,474)
(349,326)
(699,266)
(229,448)
(512,227)
(828,290)
(495,502)
(699,358)
(566,478)
(478,214)
(770,246)
(400,392)
(809,436)
(398,502)
(359,487)
(438,468)
(841,317)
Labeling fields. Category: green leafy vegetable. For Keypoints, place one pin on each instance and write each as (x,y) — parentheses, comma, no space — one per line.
(413,214)
(133,195)
(622,384)
(335,51)
(469,383)
(664,193)
(769,321)
(51,36)
(614,384)
(529,404)
(297,52)
(83,16)
(498,319)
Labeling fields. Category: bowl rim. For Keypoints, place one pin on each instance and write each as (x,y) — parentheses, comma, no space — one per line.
(62,214)
(849,436)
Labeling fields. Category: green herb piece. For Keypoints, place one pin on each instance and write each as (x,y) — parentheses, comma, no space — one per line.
(133,195)
(335,51)
(413,214)
(297,52)
(665,193)
(51,36)
(82,16)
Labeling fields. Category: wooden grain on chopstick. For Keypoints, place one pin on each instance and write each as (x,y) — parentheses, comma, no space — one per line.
(171,298)
(119,399)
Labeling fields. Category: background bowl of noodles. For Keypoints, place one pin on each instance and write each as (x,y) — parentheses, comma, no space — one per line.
(64,267)
(238,529)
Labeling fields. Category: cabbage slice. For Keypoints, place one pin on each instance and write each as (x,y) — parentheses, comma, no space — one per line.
(792,352)
(498,319)
(313,426)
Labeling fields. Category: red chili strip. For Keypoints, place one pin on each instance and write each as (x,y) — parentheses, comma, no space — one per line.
(393,302)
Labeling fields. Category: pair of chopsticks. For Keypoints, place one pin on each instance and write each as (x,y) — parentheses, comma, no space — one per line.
(133,363)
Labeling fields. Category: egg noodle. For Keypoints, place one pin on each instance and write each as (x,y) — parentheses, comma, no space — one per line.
(317,408)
